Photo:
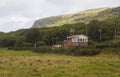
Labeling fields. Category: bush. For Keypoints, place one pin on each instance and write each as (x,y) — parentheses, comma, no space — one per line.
(111,51)
(44,49)
(58,50)
(40,43)
(103,45)
(75,51)
(86,52)
(28,45)
(115,44)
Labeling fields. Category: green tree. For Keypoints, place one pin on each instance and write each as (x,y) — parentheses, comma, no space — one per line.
(20,42)
(8,41)
(33,35)
(93,30)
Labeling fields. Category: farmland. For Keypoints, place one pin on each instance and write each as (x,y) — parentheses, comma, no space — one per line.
(30,64)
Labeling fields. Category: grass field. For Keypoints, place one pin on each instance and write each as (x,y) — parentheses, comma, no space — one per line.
(30,64)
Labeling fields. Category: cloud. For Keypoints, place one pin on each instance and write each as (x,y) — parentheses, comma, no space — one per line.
(85,4)
(17,14)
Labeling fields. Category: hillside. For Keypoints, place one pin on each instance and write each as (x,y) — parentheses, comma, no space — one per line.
(83,16)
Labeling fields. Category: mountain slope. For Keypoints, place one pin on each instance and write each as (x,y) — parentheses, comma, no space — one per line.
(84,16)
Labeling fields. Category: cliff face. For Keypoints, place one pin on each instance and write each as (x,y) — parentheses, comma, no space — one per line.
(83,16)
(46,21)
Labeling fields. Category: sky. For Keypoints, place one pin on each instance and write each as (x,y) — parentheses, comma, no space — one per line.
(21,14)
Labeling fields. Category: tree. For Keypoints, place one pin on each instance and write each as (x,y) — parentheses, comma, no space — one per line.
(93,30)
(8,41)
(20,42)
(33,35)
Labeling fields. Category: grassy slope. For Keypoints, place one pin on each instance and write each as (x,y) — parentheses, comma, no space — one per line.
(29,64)
(83,16)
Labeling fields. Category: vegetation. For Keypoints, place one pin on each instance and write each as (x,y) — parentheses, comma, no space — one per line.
(109,28)
(30,64)
(55,35)
(94,20)
(22,53)
(100,14)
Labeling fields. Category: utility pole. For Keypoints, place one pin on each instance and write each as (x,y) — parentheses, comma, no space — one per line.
(86,31)
(100,35)
(115,34)
(115,31)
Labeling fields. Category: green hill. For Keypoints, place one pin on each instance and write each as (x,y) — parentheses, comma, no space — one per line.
(83,16)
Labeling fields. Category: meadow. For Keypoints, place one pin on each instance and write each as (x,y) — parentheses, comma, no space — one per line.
(30,64)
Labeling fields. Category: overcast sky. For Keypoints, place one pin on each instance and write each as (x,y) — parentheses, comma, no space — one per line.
(18,14)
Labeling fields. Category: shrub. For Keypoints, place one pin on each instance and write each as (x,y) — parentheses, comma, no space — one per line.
(115,44)
(103,45)
(28,45)
(42,49)
(111,51)
(86,52)
(81,51)
(58,50)
(40,43)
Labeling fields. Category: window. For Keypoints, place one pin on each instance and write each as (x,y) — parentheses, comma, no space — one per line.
(83,39)
(74,40)
(78,39)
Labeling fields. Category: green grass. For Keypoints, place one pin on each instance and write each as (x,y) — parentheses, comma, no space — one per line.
(30,64)
(16,53)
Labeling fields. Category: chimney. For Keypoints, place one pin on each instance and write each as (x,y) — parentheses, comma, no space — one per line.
(72,32)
